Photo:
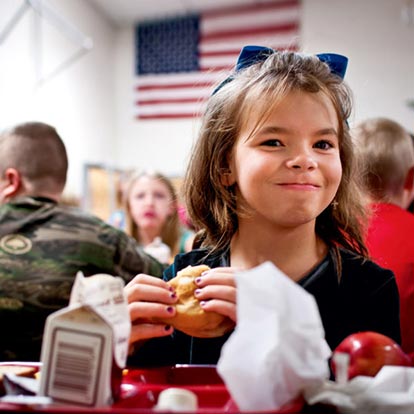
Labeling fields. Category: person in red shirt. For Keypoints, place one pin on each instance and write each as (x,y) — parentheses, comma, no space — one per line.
(387,154)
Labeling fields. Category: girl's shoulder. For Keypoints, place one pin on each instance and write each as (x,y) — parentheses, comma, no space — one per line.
(362,267)
(355,260)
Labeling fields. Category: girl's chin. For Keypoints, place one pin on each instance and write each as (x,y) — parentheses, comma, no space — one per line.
(149,224)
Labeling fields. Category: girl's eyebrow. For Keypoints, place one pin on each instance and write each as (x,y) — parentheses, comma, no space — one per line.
(272,129)
(281,130)
(327,131)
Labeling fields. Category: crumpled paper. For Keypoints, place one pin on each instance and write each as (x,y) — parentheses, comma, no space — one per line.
(390,391)
(278,348)
(105,295)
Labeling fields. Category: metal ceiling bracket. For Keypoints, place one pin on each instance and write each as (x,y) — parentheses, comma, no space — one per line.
(69,30)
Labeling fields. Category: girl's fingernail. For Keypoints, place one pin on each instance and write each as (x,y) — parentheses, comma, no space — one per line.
(204,273)
(171,289)
(167,327)
(198,280)
(197,292)
(170,309)
(173,295)
(202,303)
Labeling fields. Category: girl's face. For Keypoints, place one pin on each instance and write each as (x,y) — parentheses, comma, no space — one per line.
(289,170)
(150,203)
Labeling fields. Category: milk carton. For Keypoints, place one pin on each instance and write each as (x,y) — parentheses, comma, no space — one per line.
(85,345)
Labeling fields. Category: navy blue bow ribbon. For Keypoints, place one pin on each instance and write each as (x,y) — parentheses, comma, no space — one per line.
(250,55)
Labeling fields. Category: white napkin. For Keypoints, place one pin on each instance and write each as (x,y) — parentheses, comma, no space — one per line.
(390,391)
(278,348)
(159,250)
(105,295)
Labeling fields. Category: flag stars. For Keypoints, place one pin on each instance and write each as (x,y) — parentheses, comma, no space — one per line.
(168,46)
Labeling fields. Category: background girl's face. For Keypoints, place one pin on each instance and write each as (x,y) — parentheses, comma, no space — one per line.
(150,203)
(289,170)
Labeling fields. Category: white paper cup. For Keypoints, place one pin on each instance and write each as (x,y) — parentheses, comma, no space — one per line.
(177,400)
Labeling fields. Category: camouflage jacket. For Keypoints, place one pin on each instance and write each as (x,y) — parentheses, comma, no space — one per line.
(42,246)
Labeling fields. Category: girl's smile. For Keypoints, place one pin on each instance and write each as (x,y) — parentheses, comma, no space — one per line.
(299,186)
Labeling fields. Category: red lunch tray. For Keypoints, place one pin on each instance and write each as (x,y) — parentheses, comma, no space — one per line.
(141,387)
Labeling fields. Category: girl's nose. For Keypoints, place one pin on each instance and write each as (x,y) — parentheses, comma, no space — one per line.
(149,200)
(302,160)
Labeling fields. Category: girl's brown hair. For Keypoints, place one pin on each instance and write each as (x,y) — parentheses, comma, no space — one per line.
(212,206)
(171,230)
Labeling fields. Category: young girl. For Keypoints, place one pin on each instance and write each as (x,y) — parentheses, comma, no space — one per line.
(272,177)
(152,213)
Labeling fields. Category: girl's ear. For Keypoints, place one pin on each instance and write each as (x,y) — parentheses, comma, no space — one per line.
(409,180)
(227,177)
(172,208)
(12,183)
(408,191)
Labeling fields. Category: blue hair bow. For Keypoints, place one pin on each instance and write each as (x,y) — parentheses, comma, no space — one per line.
(250,55)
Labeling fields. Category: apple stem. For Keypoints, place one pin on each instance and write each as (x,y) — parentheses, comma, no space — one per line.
(341,360)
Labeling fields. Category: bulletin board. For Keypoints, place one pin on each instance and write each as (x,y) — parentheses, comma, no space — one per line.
(100,186)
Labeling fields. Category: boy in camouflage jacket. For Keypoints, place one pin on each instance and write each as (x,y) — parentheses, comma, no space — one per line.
(43,244)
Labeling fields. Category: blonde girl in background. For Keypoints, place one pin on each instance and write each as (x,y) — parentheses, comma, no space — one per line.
(151,208)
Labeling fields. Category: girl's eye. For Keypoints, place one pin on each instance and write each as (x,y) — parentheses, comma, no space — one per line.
(139,196)
(324,145)
(160,196)
(272,143)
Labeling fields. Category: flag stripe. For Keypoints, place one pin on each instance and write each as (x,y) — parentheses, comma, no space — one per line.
(173,86)
(222,34)
(168,116)
(277,41)
(181,93)
(251,9)
(167,101)
(273,16)
(166,108)
(264,30)
(192,78)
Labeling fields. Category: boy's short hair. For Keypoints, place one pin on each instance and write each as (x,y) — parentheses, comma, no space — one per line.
(386,154)
(37,151)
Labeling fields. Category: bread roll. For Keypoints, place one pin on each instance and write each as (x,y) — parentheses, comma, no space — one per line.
(190,318)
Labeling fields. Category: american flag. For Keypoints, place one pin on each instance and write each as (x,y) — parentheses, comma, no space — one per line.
(180,60)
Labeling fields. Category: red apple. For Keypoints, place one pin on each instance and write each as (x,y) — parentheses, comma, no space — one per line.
(369,352)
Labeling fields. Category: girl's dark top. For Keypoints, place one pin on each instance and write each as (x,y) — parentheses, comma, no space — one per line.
(364,298)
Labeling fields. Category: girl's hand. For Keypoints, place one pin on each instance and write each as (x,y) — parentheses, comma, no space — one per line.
(149,297)
(216,291)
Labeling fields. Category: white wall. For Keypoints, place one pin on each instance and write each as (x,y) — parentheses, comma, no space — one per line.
(79,101)
(380,47)
(91,102)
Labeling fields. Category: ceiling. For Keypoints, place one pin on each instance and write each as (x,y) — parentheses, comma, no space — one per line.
(126,12)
